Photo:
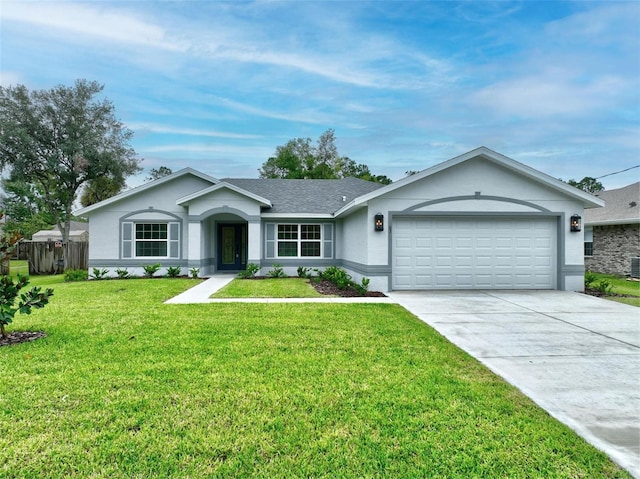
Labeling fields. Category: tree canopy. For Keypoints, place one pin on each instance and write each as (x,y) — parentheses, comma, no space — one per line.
(300,159)
(61,139)
(157,173)
(588,184)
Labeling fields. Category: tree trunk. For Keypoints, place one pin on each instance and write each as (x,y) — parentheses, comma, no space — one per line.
(3,332)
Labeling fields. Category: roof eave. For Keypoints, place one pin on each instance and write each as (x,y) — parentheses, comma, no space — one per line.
(139,189)
(261,200)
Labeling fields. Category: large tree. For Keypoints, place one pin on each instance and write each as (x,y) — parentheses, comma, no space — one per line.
(300,159)
(61,139)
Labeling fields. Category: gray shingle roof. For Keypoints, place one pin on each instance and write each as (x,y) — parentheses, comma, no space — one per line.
(622,204)
(306,196)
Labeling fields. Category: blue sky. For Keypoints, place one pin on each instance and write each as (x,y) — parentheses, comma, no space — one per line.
(216,86)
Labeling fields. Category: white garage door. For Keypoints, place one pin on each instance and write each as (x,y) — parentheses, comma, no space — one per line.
(474,253)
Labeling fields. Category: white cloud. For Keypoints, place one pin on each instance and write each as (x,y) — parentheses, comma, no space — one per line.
(155,128)
(78,19)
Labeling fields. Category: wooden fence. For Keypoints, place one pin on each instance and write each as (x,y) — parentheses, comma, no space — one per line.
(48,257)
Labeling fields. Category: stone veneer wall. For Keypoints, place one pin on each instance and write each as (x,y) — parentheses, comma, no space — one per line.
(613,248)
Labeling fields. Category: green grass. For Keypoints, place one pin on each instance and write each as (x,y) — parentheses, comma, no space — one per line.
(268,288)
(21,267)
(622,286)
(124,386)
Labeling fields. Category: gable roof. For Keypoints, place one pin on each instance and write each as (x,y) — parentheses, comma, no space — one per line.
(145,187)
(306,197)
(223,185)
(588,200)
(622,206)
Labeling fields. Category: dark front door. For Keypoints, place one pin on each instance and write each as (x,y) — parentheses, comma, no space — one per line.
(232,246)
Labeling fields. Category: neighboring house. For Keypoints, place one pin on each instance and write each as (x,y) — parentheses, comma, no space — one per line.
(79,232)
(480,220)
(612,233)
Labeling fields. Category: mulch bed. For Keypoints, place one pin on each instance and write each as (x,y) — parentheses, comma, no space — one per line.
(600,294)
(327,287)
(18,337)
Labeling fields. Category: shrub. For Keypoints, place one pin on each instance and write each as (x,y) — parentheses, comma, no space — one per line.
(76,275)
(363,287)
(194,272)
(34,298)
(123,273)
(304,272)
(337,276)
(173,271)
(99,273)
(604,286)
(250,272)
(589,278)
(150,269)
(277,271)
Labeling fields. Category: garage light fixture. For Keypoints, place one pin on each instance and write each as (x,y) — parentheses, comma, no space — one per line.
(575,223)
(378,222)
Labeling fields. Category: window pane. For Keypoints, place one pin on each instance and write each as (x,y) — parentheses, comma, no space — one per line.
(287,248)
(287,232)
(310,232)
(588,248)
(151,248)
(151,231)
(310,248)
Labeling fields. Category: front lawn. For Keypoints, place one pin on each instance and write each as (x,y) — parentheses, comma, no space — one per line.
(624,290)
(124,386)
(268,288)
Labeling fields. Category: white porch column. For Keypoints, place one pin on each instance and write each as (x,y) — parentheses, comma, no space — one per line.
(194,254)
(255,242)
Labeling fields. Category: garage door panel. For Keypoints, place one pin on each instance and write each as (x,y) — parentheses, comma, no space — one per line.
(481,253)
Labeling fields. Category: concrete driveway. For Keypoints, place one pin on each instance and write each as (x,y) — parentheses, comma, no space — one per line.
(576,356)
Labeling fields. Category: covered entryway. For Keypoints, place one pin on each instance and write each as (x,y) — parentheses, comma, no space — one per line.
(474,252)
(232,246)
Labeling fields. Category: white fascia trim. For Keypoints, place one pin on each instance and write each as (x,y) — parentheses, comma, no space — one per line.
(630,221)
(185,199)
(588,200)
(145,187)
(298,216)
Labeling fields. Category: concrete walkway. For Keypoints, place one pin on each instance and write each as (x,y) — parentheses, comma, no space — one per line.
(576,356)
(202,292)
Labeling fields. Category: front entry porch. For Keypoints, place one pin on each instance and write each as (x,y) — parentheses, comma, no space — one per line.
(231,246)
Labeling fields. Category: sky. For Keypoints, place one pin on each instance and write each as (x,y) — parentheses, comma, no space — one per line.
(217,86)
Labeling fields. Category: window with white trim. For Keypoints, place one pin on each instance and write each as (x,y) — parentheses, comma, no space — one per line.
(145,239)
(291,240)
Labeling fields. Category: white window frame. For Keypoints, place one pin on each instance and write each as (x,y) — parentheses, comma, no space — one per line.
(326,240)
(298,240)
(172,240)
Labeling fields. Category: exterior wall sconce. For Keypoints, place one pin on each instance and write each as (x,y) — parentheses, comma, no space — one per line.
(378,222)
(575,223)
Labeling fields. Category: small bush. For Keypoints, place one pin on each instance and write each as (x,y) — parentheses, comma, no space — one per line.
(589,278)
(304,272)
(277,271)
(99,273)
(76,275)
(173,271)
(123,273)
(10,291)
(363,287)
(604,286)
(250,272)
(150,269)
(337,276)
(194,272)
